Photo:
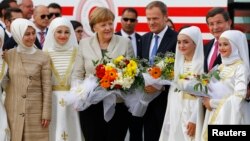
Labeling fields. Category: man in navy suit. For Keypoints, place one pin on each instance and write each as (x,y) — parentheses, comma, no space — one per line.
(10,15)
(156,13)
(128,22)
(218,21)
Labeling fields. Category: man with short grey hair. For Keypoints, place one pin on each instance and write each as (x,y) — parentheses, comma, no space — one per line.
(27,8)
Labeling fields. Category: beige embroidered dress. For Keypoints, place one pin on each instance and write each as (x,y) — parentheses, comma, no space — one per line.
(28,95)
(65,124)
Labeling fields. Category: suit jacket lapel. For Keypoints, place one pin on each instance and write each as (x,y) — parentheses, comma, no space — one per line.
(164,42)
(147,47)
(111,45)
(96,48)
(138,39)
(208,47)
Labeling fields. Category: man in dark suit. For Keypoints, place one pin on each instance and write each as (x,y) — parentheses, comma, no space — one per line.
(218,21)
(10,15)
(160,40)
(128,22)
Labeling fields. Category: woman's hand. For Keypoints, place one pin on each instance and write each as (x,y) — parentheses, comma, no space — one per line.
(150,89)
(191,127)
(45,123)
(4,53)
(206,103)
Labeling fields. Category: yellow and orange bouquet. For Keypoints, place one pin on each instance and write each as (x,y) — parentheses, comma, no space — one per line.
(117,73)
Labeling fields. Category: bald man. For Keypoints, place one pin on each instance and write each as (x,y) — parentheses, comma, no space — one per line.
(41,20)
(27,8)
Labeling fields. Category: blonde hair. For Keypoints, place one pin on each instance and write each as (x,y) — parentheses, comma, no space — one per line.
(100,14)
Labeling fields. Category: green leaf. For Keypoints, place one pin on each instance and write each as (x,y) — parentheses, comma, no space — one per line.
(216,75)
(95,62)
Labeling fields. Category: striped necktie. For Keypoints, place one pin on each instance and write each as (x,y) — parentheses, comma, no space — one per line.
(42,38)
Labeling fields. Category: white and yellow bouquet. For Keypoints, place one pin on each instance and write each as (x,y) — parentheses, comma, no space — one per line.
(197,84)
(161,72)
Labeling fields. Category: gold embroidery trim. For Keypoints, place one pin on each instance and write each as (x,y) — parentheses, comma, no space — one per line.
(189,96)
(61,88)
(63,81)
(221,67)
(2,71)
(214,116)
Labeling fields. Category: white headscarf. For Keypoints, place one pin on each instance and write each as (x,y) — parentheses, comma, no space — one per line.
(198,59)
(18,28)
(50,43)
(238,42)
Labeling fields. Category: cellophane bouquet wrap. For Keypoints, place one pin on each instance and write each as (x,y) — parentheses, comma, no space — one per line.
(111,81)
(196,84)
(159,74)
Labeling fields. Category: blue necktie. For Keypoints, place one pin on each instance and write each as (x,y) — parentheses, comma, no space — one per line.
(153,53)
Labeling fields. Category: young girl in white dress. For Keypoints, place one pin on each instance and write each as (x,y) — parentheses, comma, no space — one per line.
(61,45)
(184,116)
(227,104)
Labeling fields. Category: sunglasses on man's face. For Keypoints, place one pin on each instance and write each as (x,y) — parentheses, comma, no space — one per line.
(44,16)
(55,14)
(129,19)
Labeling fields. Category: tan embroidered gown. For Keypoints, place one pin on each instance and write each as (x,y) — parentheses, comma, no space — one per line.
(28,95)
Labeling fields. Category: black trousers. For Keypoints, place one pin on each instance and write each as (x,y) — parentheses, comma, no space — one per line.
(135,127)
(154,117)
(95,128)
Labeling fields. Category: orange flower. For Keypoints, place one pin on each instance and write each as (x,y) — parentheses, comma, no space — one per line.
(155,72)
(111,74)
(105,83)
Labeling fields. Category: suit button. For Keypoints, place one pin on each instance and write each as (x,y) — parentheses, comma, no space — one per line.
(22,114)
(23,96)
(30,77)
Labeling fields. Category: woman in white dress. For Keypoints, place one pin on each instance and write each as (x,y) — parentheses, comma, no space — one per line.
(61,45)
(227,103)
(4,128)
(183,118)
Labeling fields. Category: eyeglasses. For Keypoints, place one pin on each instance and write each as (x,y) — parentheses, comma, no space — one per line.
(55,14)
(44,16)
(129,19)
